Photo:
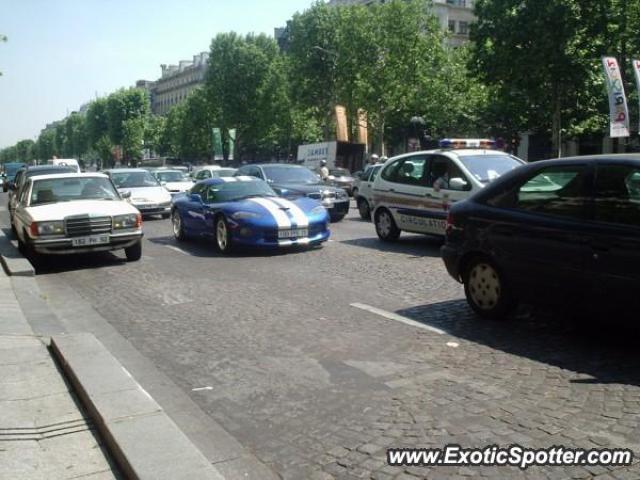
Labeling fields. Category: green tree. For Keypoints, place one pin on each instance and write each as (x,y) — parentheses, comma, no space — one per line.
(552,81)
(125,113)
(25,150)
(46,144)
(240,79)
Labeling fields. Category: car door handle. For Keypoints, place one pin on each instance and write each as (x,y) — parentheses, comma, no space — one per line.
(392,189)
(428,195)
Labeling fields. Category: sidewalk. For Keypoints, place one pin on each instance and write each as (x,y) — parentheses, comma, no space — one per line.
(43,431)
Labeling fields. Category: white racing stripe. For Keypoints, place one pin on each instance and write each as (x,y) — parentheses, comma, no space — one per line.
(298,215)
(228,179)
(397,318)
(282,219)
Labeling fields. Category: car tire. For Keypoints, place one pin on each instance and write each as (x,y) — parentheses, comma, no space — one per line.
(134,252)
(336,218)
(223,240)
(364,209)
(386,227)
(354,193)
(177,226)
(165,216)
(486,290)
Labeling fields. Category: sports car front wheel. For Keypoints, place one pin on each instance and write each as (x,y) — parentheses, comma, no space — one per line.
(223,236)
(178,229)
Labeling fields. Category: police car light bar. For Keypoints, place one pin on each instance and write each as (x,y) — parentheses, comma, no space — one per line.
(454,143)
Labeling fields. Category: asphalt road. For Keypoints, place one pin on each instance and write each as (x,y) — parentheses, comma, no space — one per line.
(272,348)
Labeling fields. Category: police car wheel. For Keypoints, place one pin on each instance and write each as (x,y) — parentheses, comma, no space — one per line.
(223,236)
(386,226)
(485,289)
(363,209)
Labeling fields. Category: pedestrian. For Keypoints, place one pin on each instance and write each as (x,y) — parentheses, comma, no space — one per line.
(324,171)
(373,159)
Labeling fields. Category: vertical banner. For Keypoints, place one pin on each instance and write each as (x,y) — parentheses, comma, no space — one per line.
(216,144)
(363,125)
(636,70)
(618,111)
(342,132)
(232,143)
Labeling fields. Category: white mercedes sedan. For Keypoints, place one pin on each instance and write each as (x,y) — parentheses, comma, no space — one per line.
(76,213)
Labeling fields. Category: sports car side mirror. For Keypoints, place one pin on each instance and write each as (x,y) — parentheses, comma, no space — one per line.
(195,197)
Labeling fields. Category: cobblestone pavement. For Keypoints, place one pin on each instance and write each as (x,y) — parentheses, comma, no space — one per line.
(319,389)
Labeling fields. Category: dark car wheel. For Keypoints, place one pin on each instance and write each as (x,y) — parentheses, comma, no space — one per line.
(354,193)
(386,227)
(134,252)
(165,216)
(223,236)
(486,290)
(337,217)
(363,209)
(178,228)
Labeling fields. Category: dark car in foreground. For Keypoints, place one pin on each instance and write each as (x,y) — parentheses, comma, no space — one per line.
(561,232)
(294,181)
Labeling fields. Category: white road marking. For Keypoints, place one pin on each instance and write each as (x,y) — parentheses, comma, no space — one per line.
(201,389)
(397,318)
(176,249)
(3,209)
(453,344)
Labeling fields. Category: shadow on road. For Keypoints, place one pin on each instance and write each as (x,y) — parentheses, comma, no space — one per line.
(416,245)
(51,264)
(600,347)
(205,248)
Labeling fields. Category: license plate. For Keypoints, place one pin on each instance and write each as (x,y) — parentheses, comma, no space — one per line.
(89,241)
(294,233)
(149,206)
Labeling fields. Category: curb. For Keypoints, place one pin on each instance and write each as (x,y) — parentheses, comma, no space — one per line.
(144,441)
(12,261)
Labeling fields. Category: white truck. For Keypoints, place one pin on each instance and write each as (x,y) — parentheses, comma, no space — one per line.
(337,155)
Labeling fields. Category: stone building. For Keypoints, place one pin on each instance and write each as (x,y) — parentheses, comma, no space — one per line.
(175,83)
(455,16)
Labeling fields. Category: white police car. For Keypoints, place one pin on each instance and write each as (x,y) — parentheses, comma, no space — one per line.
(413,192)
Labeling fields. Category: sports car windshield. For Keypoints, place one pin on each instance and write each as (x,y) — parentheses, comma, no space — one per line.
(489,167)
(55,190)
(290,175)
(134,179)
(231,191)
(172,177)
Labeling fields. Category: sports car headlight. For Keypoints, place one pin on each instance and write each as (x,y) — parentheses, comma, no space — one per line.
(318,210)
(244,215)
(133,220)
(50,228)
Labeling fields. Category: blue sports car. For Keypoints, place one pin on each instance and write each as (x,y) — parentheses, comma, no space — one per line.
(246,211)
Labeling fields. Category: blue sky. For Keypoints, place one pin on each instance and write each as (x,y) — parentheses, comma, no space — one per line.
(61,53)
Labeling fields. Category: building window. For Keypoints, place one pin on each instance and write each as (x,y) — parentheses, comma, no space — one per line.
(463,28)
(452,26)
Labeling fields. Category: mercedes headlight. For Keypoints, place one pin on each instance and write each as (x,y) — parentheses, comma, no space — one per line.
(342,194)
(131,220)
(50,228)
(244,215)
